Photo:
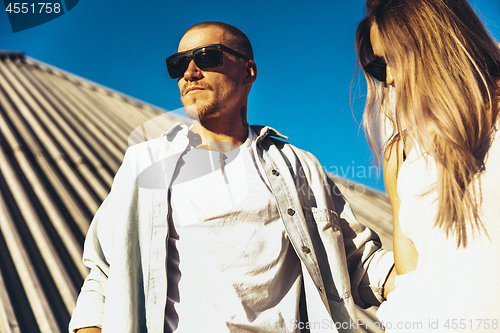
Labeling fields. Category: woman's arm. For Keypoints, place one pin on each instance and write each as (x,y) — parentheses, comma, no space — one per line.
(405,254)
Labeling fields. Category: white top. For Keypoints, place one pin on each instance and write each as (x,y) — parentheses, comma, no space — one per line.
(452,288)
(230,266)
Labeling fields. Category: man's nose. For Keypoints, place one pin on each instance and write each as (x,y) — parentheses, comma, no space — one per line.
(192,72)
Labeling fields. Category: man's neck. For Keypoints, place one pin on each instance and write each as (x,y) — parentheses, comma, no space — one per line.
(217,135)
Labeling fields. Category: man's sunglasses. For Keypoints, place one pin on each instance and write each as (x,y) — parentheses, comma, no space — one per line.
(205,57)
(377,68)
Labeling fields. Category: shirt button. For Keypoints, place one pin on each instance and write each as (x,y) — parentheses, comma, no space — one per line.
(291,212)
(306,250)
(276,173)
(320,289)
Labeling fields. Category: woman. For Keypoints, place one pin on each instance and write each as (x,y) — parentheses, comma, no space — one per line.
(433,72)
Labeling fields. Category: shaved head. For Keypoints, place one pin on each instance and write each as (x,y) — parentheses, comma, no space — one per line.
(239,41)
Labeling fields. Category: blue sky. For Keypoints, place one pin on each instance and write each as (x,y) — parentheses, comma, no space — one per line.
(305,56)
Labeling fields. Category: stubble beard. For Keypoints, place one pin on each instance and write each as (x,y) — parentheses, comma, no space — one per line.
(199,110)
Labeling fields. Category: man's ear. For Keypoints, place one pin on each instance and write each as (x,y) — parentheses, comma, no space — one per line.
(251,72)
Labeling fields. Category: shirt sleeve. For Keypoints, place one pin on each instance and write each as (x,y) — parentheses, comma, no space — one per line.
(369,265)
(98,251)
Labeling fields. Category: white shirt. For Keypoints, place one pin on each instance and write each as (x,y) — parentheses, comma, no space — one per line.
(230,265)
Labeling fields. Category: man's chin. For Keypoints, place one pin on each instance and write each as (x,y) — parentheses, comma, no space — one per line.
(197,112)
(191,112)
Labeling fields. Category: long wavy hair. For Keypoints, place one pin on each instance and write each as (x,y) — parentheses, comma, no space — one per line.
(446,70)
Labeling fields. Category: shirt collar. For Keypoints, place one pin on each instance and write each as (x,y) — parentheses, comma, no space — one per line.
(258,131)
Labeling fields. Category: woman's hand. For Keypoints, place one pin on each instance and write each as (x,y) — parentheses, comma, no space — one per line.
(88,330)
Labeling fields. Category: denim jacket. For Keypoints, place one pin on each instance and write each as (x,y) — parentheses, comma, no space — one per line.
(125,249)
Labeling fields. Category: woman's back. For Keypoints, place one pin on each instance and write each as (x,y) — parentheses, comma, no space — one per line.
(452,287)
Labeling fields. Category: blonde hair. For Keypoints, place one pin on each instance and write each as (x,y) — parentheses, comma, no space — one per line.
(446,71)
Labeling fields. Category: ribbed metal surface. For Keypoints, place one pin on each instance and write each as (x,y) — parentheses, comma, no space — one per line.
(62,139)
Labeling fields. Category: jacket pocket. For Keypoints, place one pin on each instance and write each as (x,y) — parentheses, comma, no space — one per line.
(323,218)
(324,229)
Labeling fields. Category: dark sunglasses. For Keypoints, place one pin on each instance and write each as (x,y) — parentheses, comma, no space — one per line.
(205,57)
(377,68)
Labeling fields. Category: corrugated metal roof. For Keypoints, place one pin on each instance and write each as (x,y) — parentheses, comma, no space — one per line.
(62,140)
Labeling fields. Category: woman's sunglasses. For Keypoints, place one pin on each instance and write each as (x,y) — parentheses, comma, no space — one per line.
(205,57)
(377,68)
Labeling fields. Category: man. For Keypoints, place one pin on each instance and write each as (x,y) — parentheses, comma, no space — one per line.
(221,227)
